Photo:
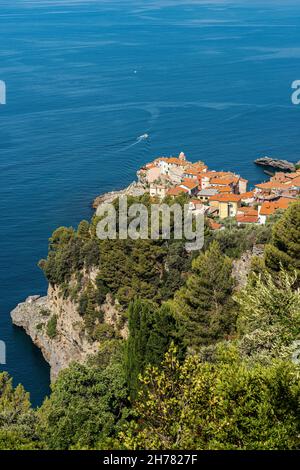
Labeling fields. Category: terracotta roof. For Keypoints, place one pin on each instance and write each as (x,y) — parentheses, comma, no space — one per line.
(199,163)
(296,181)
(189,183)
(248,195)
(226,197)
(292,175)
(247,219)
(281,176)
(247,211)
(214,225)
(196,169)
(273,185)
(173,160)
(269,208)
(199,167)
(224,189)
(203,174)
(176,191)
(191,171)
(225,180)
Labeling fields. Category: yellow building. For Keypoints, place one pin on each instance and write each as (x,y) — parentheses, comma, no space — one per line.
(227,204)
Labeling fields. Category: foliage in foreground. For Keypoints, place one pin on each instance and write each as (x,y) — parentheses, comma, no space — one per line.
(198,405)
(17,420)
(269,319)
(87,407)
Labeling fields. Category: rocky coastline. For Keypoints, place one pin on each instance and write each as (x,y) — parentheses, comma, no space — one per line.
(282,165)
(135,189)
(70,343)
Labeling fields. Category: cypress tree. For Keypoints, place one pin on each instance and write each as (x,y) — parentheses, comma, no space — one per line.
(151,331)
(139,324)
(165,330)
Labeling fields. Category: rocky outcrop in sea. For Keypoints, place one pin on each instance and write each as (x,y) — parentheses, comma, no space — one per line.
(282,165)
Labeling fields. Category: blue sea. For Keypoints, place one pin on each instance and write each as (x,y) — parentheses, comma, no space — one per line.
(86,78)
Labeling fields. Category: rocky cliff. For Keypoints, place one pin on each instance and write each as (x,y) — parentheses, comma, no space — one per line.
(242,266)
(69,341)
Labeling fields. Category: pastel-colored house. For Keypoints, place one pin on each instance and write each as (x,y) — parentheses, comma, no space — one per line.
(227,204)
(158,190)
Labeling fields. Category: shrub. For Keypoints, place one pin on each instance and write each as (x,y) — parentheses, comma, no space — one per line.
(45,312)
(52,327)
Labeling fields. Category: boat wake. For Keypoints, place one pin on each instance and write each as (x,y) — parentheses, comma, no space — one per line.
(139,139)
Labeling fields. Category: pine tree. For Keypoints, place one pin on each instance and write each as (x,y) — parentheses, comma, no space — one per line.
(204,304)
(83,230)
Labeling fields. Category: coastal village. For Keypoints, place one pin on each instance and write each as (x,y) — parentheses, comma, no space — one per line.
(219,194)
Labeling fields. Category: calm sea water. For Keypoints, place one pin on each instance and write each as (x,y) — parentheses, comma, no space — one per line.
(86,78)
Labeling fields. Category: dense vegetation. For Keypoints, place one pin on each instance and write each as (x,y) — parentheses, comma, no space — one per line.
(204,306)
(207,364)
(222,405)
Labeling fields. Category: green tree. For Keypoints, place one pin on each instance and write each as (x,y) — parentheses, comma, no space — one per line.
(86,408)
(284,249)
(140,320)
(269,316)
(205,406)
(164,331)
(203,305)
(90,252)
(151,331)
(17,420)
(92,313)
(52,327)
(83,230)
